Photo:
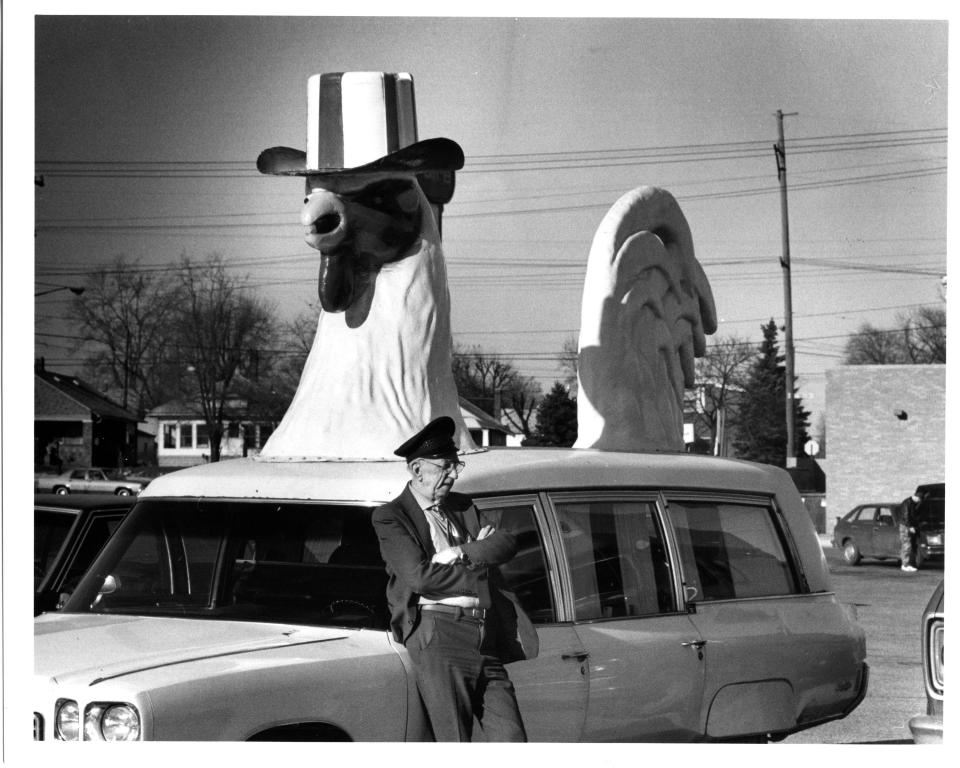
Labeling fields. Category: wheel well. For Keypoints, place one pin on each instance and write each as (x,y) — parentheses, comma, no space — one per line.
(302,732)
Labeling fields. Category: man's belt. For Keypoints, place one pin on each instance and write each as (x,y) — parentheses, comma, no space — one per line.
(456,610)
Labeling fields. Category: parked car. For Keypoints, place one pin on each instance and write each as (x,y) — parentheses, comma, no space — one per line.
(931,522)
(87,480)
(676,598)
(68,533)
(145,474)
(928,728)
(870,530)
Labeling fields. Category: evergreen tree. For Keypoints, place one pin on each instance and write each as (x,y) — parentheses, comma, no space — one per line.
(556,419)
(761,422)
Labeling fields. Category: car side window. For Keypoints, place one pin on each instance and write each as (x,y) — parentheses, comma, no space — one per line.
(886,516)
(618,562)
(99,529)
(526,575)
(78,474)
(50,531)
(730,550)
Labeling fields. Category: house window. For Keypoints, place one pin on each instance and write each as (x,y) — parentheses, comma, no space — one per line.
(169,435)
(186,435)
(233,429)
(203,436)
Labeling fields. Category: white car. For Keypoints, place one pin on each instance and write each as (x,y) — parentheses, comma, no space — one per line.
(87,480)
(676,598)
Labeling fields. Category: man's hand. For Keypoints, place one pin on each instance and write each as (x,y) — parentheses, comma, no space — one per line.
(485,531)
(447,556)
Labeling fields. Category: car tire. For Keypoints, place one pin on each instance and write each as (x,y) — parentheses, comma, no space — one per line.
(851,554)
(124,492)
(61,490)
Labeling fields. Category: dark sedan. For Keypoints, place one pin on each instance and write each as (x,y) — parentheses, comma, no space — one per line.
(870,530)
(69,532)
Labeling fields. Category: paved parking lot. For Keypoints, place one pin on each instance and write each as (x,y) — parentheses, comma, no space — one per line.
(889,605)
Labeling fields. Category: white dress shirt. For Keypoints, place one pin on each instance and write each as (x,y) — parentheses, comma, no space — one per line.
(444,534)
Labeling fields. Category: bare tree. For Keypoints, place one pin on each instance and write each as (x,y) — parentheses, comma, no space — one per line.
(872,346)
(720,377)
(569,360)
(280,380)
(925,335)
(919,337)
(493,384)
(522,403)
(222,329)
(126,313)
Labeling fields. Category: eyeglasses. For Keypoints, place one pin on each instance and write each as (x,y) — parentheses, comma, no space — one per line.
(448,466)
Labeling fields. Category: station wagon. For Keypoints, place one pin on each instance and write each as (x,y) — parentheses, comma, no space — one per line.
(676,598)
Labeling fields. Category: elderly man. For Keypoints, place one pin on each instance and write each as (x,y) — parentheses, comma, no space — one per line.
(447,601)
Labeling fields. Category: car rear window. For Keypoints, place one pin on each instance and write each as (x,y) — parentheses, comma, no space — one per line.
(730,550)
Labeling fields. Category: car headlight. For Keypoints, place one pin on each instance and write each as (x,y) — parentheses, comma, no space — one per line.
(934,539)
(111,722)
(67,721)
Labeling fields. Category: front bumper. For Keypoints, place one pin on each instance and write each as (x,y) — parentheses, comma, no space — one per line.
(929,550)
(926,729)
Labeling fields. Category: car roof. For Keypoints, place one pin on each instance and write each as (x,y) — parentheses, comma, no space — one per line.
(488,471)
(82,501)
(877,504)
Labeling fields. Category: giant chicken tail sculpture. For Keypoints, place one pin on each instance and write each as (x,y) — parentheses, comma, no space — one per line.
(646,308)
(380,365)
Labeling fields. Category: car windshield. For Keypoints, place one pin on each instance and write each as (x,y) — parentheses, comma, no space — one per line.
(303,563)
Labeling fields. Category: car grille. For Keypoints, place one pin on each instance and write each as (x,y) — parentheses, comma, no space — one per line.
(37,726)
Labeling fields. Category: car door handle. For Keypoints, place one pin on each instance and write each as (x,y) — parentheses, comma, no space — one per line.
(698,644)
(575,655)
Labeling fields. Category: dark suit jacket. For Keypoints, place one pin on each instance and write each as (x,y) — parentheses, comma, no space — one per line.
(407,547)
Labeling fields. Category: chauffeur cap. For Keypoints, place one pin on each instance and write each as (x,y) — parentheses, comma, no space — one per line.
(434,441)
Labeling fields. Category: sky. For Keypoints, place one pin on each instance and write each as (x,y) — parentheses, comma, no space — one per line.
(147,129)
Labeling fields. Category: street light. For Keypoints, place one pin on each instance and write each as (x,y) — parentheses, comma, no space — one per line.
(73,289)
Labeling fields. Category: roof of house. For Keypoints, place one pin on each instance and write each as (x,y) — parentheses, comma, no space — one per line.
(62,395)
(479,419)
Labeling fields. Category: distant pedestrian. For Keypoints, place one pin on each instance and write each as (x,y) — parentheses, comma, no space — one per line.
(906,523)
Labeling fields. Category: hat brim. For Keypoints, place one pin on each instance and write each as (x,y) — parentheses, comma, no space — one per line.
(438,154)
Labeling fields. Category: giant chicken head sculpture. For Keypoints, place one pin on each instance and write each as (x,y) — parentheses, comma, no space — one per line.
(647,308)
(380,367)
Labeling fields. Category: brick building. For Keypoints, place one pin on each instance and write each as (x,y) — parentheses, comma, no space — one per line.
(886,433)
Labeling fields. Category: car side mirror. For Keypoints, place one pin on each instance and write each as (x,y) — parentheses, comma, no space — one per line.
(110,585)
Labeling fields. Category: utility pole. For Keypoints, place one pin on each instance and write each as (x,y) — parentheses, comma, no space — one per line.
(780,150)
